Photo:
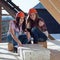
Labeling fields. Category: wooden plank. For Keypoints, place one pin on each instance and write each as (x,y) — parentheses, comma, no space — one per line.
(34,52)
(53,6)
(56,3)
(50,37)
(55,55)
(7,55)
(5,15)
(8,9)
(0,22)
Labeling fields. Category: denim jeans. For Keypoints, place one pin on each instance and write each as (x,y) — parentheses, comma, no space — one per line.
(11,40)
(22,38)
(38,35)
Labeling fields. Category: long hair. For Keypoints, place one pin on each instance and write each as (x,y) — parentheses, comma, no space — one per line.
(17,23)
(35,23)
(32,23)
(42,28)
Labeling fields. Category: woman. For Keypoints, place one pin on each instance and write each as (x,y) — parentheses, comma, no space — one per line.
(17,33)
(33,16)
(42,26)
(32,21)
(40,33)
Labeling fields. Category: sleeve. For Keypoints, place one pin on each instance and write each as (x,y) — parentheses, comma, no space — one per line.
(12,25)
(46,33)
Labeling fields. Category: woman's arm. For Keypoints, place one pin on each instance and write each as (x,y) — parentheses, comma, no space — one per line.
(28,25)
(28,35)
(14,36)
(46,33)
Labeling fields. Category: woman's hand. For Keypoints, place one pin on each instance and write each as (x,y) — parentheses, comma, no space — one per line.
(20,44)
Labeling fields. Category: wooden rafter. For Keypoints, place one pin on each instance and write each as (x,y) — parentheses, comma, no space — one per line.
(53,7)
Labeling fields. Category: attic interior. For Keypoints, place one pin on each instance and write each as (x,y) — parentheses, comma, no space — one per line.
(49,10)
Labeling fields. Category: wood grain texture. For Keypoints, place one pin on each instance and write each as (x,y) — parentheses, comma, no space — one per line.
(53,6)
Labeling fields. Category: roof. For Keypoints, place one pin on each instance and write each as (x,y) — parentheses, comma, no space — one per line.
(39,6)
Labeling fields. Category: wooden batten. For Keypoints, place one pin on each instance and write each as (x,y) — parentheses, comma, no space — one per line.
(0,23)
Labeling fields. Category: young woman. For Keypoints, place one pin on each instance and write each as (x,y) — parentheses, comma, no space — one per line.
(33,16)
(17,32)
(32,21)
(42,26)
(40,32)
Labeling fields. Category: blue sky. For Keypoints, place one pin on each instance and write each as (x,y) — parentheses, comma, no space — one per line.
(25,5)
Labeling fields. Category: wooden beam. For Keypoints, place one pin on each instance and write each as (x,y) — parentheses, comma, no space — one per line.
(8,8)
(3,8)
(53,6)
(6,15)
(0,23)
(50,37)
